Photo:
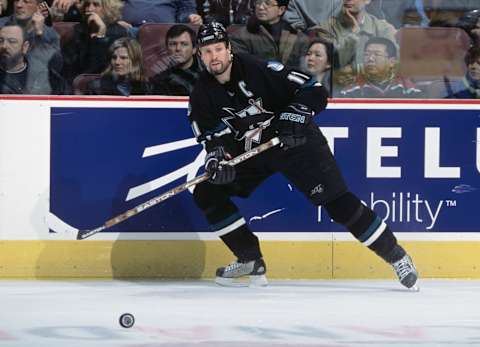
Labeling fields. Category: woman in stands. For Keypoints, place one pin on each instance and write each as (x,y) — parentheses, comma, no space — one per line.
(125,75)
(318,61)
(87,52)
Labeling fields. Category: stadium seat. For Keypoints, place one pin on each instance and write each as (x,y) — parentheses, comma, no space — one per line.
(431,53)
(80,82)
(65,30)
(232,28)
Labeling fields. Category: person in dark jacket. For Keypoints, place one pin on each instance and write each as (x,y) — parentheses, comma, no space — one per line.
(467,87)
(125,74)
(269,37)
(87,52)
(226,11)
(180,78)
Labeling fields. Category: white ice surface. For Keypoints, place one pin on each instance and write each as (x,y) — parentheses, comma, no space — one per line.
(201,314)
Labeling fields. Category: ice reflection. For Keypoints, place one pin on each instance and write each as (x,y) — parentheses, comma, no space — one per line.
(463,188)
(254,218)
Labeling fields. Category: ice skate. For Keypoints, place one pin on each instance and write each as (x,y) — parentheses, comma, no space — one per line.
(406,272)
(243,274)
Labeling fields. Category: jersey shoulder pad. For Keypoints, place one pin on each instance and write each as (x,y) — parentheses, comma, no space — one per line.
(275,66)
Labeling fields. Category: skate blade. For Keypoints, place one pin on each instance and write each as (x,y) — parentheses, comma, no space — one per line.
(250,281)
(414,288)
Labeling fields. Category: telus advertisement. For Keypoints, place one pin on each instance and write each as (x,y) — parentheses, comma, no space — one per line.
(419,169)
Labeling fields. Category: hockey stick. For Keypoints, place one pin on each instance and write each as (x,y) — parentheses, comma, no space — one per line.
(83,234)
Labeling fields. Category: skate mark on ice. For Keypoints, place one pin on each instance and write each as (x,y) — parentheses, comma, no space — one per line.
(463,188)
(254,218)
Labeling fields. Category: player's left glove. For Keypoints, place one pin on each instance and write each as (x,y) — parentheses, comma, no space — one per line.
(216,167)
(292,124)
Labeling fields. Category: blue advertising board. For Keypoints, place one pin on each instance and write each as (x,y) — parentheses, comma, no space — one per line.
(418,168)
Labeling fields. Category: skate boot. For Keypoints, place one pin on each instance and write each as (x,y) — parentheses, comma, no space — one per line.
(243,274)
(406,272)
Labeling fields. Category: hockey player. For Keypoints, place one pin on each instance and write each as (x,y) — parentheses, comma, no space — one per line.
(239,102)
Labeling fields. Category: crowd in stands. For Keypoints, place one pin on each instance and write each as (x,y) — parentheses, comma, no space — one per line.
(356,48)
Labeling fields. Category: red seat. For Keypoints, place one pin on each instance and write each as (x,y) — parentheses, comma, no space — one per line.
(233,28)
(431,53)
(65,30)
(80,82)
(152,40)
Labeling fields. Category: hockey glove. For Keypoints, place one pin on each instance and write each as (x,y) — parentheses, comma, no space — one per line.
(292,124)
(215,165)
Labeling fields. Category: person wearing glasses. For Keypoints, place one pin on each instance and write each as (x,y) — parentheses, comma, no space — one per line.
(269,37)
(350,30)
(379,78)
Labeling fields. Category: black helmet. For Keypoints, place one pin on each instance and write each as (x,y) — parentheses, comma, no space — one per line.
(469,19)
(211,33)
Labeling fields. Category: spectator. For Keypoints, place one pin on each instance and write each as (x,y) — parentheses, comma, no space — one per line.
(4,8)
(87,52)
(19,72)
(74,12)
(64,10)
(318,62)
(269,37)
(179,79)
(138,12)
(304,14)
(379,79)
(351,28)
(28,14)
(226,11)
(44,42)
(467,87)
(125,75)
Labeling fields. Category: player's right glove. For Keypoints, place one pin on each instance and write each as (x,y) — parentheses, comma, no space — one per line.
(215,165)
(292,124)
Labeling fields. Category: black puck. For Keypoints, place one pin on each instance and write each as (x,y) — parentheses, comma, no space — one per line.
(127,320)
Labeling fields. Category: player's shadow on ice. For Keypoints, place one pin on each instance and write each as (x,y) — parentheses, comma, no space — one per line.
(143,251)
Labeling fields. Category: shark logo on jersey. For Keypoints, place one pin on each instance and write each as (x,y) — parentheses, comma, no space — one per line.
(248,122)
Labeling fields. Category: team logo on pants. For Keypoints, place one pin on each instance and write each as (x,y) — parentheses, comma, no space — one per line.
(317,190)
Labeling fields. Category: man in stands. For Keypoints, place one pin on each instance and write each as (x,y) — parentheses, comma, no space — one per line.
(379,79)
(179,79)
(44,41)
(269,37)
(20,73)
(350,30)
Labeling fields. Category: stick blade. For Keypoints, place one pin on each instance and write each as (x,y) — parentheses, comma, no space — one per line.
(83,234)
